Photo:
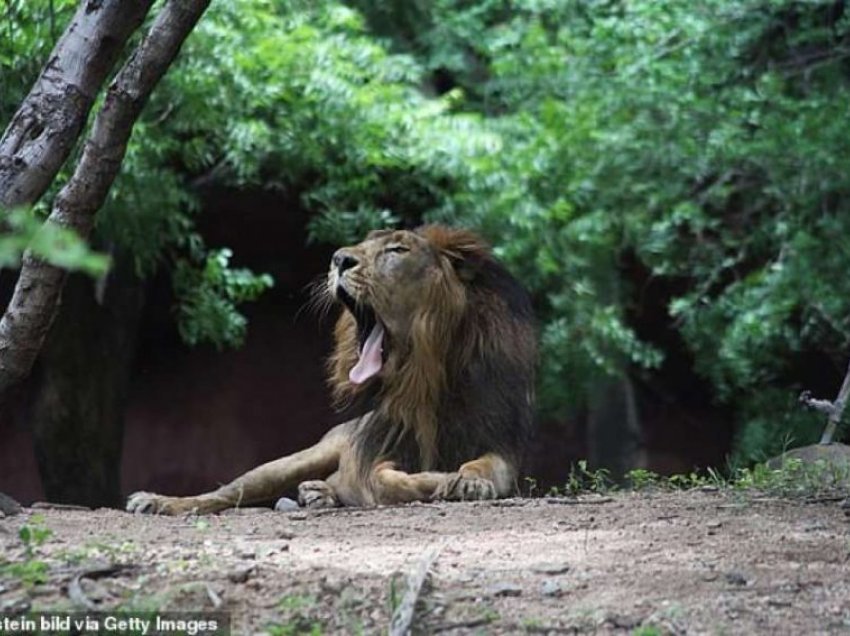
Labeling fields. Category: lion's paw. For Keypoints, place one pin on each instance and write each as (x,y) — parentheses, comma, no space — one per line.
(152,504)
(316,494)
(458,488)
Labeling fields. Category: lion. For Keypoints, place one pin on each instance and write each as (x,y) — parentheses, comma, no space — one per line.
(437,340)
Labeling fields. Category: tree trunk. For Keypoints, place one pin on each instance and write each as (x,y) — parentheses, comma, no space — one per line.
(30,312)
(82,377)
(43,132)
(614,435)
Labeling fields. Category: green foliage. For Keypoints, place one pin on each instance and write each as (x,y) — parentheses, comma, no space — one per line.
(705,141)
(208,293)
(774,423)
(582,479)
(701,144)
(297,610)
(28,31)
(55,244)
(31,570)
(796,478)
(34,534)
(639,479)
(647,630)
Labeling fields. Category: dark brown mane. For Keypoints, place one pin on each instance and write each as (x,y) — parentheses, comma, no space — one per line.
(468,369)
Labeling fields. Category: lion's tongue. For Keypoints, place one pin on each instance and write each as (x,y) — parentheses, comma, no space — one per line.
(370,356)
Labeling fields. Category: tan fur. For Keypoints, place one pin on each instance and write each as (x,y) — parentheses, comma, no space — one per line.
(420,295)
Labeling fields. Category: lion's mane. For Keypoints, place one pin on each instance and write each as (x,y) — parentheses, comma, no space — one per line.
(464,384)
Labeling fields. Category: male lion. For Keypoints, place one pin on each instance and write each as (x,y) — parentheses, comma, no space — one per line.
(438,338)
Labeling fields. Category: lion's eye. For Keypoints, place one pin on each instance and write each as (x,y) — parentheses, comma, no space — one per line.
(396,249)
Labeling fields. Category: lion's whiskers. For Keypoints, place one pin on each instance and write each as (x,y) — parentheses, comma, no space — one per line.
(320,300)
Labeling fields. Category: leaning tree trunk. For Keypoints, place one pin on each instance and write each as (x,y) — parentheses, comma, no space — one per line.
(30,313)
(81,382)
(45,129)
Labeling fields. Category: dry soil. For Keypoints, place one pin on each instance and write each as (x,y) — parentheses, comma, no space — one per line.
(696,562)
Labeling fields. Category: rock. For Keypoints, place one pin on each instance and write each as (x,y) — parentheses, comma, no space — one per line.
(285,504)
(551,587)
(504,589)
(555,567)
(17,604)
(240,575)
(332,585)
(621,621)
(832,462)
(9,506)
(246,552)
(509,503)
(735,578)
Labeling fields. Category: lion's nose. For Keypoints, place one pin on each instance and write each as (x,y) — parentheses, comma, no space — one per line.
(343,260)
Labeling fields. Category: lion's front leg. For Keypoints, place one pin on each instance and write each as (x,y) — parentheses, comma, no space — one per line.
(264,483)
(391,486)
(151,503)
(488,477)
(317,493)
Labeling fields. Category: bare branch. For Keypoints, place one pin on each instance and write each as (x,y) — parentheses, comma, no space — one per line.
(44,130)
(403,615)
(834,410)
(30,312)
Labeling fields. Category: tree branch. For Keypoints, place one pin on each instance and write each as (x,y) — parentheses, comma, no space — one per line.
(402,617)
(834,410)
(46,126)
(33,306)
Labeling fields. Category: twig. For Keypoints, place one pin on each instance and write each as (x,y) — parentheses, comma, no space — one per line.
(403,615)
(834,410)
(47,505)
(472,622)
(75,589)
(569,501)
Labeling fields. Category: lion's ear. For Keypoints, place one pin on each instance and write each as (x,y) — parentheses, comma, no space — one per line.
(466,250)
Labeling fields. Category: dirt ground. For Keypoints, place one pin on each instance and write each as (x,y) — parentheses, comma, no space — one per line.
(694,562)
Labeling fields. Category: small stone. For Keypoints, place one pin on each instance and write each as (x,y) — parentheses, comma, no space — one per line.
(15,604)
(286,535)
(246,511)
(240,575)
(555,567)
(505,589)
(622,621)
(735,578)
(332,585)
(551,587)
(9,506)
(285,504)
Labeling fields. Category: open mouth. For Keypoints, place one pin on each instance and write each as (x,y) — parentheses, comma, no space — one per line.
(370,338)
